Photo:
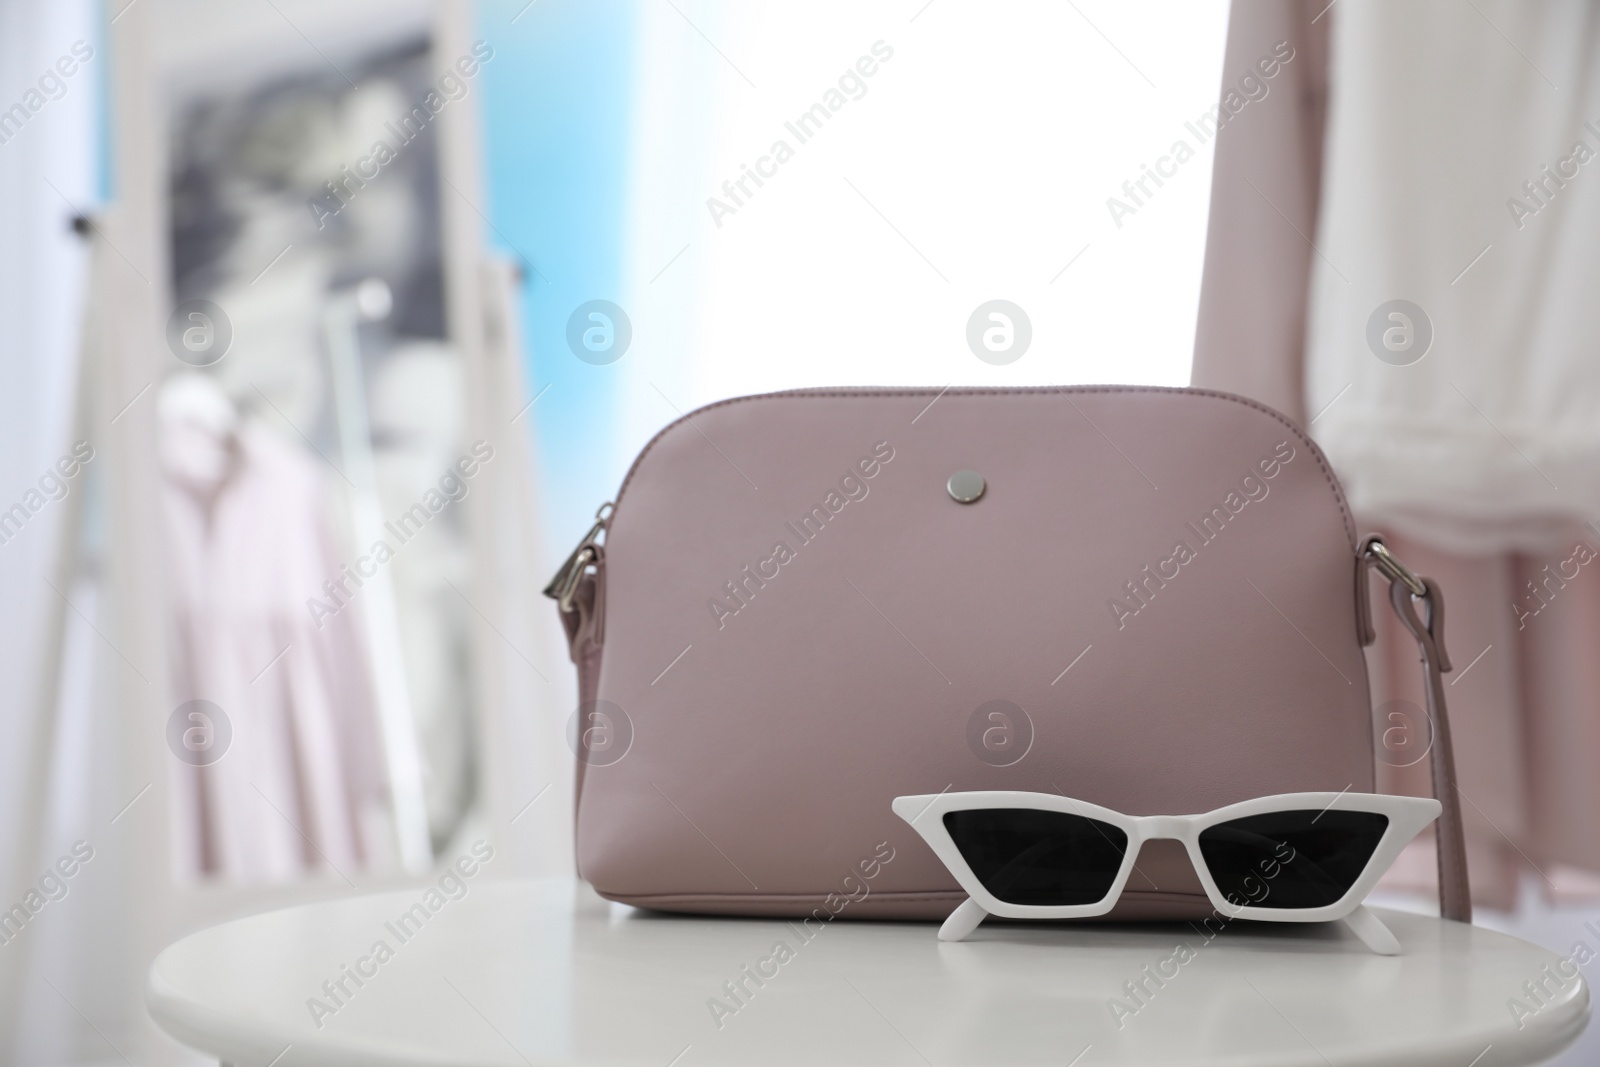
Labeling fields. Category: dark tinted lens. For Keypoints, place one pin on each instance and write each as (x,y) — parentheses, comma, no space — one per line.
(1291,859)
(1045,858)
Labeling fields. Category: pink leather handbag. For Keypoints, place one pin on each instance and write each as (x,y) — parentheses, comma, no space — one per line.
(805,604)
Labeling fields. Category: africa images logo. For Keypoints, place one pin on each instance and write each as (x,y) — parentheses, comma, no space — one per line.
(851,85)
(741,590)
(1142,588)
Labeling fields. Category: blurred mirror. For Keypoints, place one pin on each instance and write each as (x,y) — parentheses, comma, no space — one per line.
(314,459)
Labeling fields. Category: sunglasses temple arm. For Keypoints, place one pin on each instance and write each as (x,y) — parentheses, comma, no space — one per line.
(962,921)
(1363,923)
(1372,932)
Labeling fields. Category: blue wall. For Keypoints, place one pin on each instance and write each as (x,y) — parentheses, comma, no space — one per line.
(557,130)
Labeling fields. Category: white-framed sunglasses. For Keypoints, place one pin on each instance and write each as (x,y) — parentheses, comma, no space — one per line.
(1295,857)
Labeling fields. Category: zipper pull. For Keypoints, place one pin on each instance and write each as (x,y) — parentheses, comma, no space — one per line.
(565,582)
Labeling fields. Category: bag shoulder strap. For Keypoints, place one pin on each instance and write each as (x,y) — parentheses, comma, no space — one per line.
(1406,591)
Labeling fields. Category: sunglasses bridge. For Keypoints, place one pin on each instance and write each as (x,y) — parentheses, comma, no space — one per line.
(1156,827)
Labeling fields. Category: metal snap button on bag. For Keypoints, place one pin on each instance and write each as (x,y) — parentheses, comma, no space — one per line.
(966,486)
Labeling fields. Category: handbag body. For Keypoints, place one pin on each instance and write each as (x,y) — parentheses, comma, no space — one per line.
(805,604)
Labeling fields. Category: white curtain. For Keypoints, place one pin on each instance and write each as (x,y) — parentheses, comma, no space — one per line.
(1452,314)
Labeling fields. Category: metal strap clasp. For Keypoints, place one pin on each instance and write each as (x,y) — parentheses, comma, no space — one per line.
(1391,567)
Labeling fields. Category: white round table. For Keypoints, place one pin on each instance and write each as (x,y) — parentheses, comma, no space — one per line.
(515,974)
